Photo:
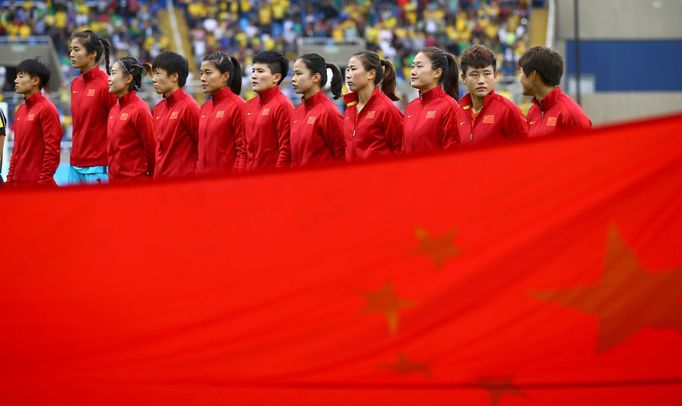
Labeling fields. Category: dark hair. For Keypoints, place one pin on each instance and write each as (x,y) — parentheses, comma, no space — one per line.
(93,42)
(385,76)
(172,63)
(447,62)
(133,67)
(276,62)
(316,64)
(477,57)
(547,62)
(33,67)
(229,65)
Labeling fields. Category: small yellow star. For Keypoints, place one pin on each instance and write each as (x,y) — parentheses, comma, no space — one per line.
(385,301)
(439,248)
(406,366)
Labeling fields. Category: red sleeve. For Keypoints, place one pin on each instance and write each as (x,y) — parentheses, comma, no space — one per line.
(451,127)
(517,125)
(52,136)
(283,129)
(332,133)
(191,122)
(393,128)
(239,139)
(145,127)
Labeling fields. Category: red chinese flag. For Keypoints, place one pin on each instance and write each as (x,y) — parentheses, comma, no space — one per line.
(540,273)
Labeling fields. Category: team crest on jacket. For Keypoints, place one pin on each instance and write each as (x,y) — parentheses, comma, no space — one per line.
(431,114)
(311,119)
(265,112)
(124,116)
(370,114)
(220,114)
(31,117)
(91,92)
(174,115)
(488,119)
(551,121)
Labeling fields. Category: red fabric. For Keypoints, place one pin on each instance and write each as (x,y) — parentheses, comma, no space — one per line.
(376,132)
(90,105)
(316,132)
(37,134)
(529,281)
(176,124)
(131,139)
(557,113)
(499,119)
(221,134)
(268,127)
(433,122)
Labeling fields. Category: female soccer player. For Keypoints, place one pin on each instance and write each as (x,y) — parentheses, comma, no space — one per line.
(373,126)
(221,124)
(433,120)
(317,125)
(90,105)
(131,127)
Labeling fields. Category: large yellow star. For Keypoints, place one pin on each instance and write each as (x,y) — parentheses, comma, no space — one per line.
(407,366)
(627,298)
(385,301)
(497,387)
(438,248)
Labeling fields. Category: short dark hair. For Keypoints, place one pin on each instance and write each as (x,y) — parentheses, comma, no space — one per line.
(33,68)
(477,57)
(172,63)
(276,62)
(547,62)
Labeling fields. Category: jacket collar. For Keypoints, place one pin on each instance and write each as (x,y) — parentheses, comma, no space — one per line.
(220,95)
(313,101)
(269,94)
(550,100)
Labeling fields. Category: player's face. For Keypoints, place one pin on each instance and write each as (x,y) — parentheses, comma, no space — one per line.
(211,77)
(262,78)
(526,83)
(357,77)
(80,58)
(163,82)
(422,75)
(118,80)
(23,84)
(303,81)
(480,81)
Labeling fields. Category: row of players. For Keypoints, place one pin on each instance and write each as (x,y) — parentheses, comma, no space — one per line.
(117,138)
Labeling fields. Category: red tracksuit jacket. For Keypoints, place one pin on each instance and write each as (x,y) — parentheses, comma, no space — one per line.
(499,119)
(376,131)
(433,122)
(90,105)
(131,139)
(221,134)
(37,134)
(268,127)
(557,112)
(176,124)
(316,132)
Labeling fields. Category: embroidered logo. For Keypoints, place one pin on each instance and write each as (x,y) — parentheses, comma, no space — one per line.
(370,114)
(462,123)
(220,114)
(431,114)
(31,117)
(488,119)
(249,113)
(75,91)
(311,119)
(91,92)
(265,112)
(531,123)
(174,115)
(551,121)
(124,116)
(410,115)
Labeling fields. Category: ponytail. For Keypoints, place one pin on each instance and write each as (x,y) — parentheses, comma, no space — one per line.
(235,76)
(97,44)
(107,52)
(337,80)
(450,77)
(388,82)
